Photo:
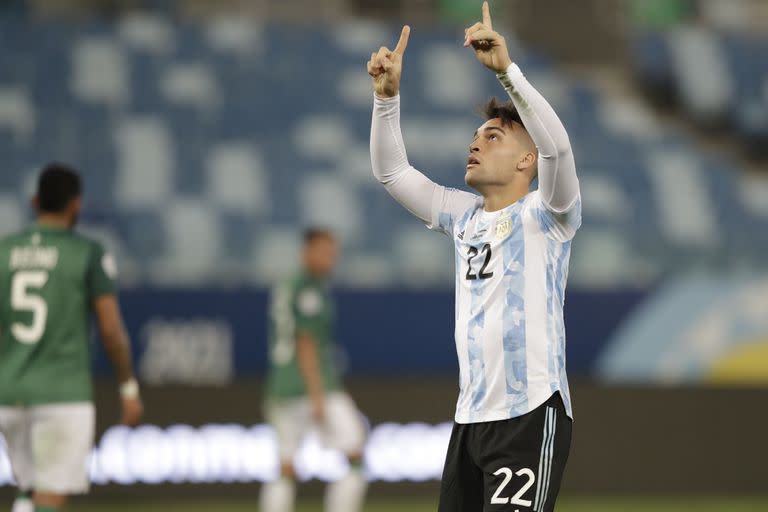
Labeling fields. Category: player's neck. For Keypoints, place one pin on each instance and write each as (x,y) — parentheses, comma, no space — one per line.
(53,221)
(317,276)
(498,198)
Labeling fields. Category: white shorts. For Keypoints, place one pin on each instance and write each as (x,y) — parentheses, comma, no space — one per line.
(49,445)
(343,429)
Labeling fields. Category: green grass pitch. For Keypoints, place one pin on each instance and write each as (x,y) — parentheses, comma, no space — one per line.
(565,504)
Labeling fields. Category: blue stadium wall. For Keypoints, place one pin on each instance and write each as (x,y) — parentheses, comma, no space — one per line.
(379,332)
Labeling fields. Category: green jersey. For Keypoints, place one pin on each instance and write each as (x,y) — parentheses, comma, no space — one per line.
(301,305)
(49,278)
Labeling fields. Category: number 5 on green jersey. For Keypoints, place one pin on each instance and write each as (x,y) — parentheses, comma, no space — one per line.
(23,299)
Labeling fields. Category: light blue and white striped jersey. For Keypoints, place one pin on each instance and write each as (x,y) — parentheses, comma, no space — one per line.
(511,265)
(511,271)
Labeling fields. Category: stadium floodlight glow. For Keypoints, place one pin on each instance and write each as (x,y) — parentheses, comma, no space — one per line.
(230,453)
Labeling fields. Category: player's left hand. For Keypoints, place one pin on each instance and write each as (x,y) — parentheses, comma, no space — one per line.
(133,410)
(386,67)
(490,46)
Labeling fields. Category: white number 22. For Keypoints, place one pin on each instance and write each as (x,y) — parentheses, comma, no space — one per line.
(23,300)
(517,498)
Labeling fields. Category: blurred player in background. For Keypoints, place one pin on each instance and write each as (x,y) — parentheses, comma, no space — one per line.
(51,280)
(304,390)
(512,434)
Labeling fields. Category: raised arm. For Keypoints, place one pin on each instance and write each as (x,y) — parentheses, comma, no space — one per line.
(558,183)
(417,193)
(390,164)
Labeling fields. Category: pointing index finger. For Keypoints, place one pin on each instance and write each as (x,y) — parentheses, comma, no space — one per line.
(487,15)
(403,42)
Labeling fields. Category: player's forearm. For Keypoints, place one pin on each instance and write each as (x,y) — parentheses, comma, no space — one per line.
(558,183)
(114,336)
(388,156)
(390,165)
(538,116)
(309,366)
(118,348)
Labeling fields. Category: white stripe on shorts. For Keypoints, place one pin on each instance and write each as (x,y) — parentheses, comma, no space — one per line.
(545,460)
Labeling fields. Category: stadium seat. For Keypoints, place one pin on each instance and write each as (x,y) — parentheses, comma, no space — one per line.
(210,143)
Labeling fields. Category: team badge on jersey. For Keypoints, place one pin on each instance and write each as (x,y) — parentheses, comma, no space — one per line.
(503,228)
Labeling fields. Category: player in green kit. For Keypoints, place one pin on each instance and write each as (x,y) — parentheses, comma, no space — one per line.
(51,280)
(303,386)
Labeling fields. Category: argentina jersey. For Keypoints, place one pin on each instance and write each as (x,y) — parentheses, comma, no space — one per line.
(511,272)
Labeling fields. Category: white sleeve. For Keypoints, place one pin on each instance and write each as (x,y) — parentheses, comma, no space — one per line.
(435,205)
(558,183)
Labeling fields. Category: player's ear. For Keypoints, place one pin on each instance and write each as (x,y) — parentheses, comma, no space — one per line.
(35,202)
(75,205)
(526,162)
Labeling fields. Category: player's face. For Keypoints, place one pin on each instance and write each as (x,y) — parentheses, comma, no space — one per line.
(321,255)
(495,153)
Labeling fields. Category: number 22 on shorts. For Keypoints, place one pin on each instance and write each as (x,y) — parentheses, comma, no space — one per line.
(497,499)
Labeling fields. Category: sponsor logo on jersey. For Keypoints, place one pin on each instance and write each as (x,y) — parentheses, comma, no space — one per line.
(480,233)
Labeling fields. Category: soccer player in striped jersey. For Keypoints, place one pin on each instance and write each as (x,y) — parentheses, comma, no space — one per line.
(512,429)
(51,281)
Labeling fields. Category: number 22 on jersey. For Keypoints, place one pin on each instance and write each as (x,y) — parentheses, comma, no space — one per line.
(486,255)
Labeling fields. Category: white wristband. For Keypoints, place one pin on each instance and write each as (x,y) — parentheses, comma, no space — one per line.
(129,389)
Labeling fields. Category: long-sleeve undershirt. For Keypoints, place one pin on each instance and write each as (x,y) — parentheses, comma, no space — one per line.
(558,183)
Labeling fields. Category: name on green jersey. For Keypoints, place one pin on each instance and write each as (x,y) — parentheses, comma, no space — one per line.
(34,257)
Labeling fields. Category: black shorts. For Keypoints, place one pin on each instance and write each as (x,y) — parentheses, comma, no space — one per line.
(509,465)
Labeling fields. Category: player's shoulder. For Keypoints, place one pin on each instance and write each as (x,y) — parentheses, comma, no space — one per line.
(13,238)
(471,209)
(533,203)
(303,281)
(89,244)
(86,240)
(292,283)
(96,252)
(533,211)
(533,199)
(305,293)
(559,226)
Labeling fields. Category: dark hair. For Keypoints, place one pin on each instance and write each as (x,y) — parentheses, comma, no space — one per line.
(57,186)
(314,233)
(505,111)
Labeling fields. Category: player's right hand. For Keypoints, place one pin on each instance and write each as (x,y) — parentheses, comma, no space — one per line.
(385,67)
(318,411)
(133,410)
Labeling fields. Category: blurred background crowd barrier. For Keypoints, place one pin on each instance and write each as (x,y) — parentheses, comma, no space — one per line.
(209,133)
